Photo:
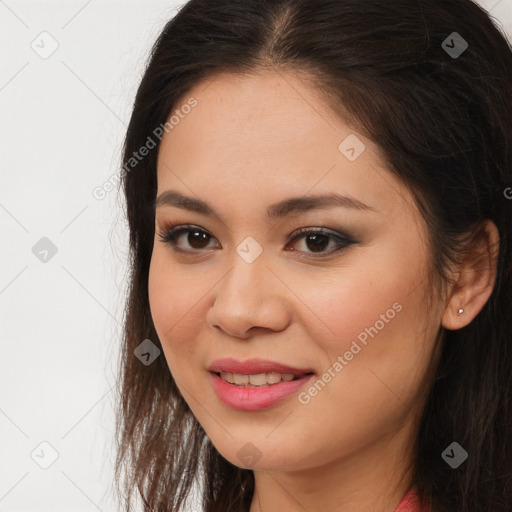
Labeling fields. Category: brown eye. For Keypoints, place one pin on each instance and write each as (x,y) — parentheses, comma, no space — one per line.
(196,238)
(318,240)
(316,243)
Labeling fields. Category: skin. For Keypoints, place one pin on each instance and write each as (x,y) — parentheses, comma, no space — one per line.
(253,140)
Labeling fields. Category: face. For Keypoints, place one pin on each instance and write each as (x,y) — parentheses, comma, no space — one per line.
(346,305)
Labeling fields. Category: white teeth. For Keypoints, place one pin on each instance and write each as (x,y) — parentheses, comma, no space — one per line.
(273,378)
(259,379)
(227,376)
(241,379)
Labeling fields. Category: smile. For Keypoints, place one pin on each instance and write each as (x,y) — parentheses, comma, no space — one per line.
(258,379)
(255,384)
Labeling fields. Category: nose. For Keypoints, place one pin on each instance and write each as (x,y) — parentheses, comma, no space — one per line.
(250,296)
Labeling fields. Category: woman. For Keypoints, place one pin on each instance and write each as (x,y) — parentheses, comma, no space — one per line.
(318,196)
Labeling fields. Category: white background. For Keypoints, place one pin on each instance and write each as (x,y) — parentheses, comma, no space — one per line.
(63,120)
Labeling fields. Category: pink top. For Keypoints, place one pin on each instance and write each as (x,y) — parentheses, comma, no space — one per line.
(410,502)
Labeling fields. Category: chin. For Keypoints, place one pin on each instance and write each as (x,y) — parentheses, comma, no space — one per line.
(261,456)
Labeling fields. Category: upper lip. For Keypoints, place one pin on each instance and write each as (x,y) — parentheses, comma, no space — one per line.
(254,366)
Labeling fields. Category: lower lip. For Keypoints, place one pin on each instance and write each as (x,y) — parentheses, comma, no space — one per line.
(253,399)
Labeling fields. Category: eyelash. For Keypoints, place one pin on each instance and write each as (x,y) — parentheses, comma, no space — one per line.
(171,232)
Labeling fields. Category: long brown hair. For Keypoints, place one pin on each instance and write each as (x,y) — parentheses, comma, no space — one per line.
(443,122)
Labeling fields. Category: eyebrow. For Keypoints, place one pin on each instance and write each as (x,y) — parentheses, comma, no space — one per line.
(274,211)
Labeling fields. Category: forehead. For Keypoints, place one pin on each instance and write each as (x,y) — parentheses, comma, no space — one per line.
(266,135)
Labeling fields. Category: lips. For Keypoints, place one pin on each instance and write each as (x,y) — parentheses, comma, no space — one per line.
(229,378)
(255,366)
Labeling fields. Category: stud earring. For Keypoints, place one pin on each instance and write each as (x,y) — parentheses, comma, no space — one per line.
(461,310)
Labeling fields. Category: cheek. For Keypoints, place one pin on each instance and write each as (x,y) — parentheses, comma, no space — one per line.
(357,306)
(372,364)
(176,307)
(373,332)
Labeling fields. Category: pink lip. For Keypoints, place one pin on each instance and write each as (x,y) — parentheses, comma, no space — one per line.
(255,398)
(254,366)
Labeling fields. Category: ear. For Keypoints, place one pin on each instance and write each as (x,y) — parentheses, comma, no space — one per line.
(475,281)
